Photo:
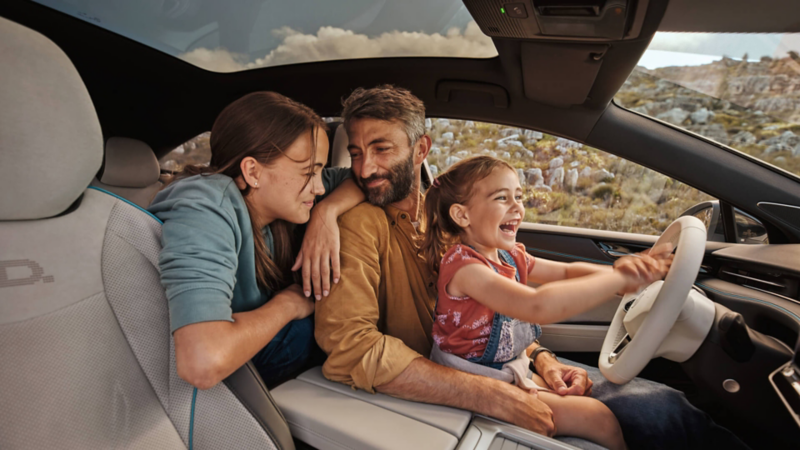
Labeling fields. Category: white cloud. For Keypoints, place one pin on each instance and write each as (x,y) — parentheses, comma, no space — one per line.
(331,43)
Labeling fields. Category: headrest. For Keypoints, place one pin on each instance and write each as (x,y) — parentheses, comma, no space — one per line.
(51,144)
(341,157)
(129,163)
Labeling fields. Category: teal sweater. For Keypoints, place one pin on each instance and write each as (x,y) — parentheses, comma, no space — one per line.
(207,260)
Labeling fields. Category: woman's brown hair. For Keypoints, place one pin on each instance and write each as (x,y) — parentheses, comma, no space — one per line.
(453,186)
(261,125)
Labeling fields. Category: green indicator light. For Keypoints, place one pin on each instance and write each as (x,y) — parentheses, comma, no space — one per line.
(502,10)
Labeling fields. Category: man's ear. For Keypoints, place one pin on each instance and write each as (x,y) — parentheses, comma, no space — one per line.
(459,214)
(251,171)
(421,149)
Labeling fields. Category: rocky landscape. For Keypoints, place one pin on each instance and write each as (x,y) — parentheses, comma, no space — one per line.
(753,107)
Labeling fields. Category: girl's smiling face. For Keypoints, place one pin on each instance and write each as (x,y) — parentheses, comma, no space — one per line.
(492,215)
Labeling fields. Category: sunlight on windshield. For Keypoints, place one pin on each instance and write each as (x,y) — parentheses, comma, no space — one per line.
(741,90)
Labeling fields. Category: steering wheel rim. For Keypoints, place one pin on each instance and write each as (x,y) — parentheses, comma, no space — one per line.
(619,361)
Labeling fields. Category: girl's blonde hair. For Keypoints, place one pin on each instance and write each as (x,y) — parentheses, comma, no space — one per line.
(453,186)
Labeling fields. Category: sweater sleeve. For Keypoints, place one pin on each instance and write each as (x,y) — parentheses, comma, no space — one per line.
(332,177)
(199,257)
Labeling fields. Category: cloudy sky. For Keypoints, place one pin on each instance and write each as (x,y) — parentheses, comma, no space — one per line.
(232,35)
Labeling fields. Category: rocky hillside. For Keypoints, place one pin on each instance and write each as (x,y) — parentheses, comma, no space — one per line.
(565,182)
(752,107)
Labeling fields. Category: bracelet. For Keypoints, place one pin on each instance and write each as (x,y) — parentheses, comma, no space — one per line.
(538,350)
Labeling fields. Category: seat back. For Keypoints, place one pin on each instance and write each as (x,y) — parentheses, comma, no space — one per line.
(130,170)
(86,356)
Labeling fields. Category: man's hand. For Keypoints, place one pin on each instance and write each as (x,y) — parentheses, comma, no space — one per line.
(426,381)
(561,378)
(319,253)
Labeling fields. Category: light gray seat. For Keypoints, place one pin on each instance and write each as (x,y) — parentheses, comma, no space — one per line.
(130,170)
(86,357)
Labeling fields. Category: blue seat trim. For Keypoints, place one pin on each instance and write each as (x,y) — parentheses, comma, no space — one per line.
(128,202)
(744,297)
(565,255)
(191,418)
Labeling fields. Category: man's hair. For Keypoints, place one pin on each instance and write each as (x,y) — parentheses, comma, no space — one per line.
(389,103)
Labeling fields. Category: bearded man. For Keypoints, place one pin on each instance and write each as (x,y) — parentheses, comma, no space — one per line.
(376,323)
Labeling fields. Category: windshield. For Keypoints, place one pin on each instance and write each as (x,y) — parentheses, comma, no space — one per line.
(741,90)
(235,35)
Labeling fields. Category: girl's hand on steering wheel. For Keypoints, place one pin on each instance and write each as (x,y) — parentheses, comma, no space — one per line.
(642,269)
(319,254)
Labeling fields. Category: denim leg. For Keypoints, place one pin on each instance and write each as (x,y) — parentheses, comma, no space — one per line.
(288,351)
(655,416)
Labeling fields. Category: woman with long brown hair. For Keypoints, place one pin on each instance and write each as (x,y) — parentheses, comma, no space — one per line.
(228,253)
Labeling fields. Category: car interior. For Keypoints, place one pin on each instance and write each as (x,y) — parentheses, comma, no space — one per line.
(86,114)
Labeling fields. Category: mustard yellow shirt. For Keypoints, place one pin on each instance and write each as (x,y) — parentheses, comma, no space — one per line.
(379,317)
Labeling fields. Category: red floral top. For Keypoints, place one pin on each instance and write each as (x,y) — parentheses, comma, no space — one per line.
(463,325)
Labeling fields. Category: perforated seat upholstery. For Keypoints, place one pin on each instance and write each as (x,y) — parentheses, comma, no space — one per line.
(86,357)
(130,170)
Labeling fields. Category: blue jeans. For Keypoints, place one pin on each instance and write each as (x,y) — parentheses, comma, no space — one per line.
(288,352)
(655,416)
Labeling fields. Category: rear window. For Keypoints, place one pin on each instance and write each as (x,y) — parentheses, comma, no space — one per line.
(741,90)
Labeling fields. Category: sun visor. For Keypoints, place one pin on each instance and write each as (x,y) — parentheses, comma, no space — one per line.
(560,74)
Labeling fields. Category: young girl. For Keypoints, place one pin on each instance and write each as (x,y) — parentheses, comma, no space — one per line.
(486,314)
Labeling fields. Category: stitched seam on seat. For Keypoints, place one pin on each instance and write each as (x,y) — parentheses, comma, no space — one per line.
(128,202)
(55,310)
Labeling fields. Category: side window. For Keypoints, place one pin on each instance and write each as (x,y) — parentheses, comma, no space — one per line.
(196,150)
(567,183)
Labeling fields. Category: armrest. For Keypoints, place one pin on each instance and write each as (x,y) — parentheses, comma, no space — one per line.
(451,420)
(327,419)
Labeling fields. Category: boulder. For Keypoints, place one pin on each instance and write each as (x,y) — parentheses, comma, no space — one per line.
(521,175)
(462,154)
(675,116)
(456,142)
(435,151)
(488,141)
(572,178)
(505,132)
(469,124)
(701,116)
(780,160)
(715,131)
(447,136)
(556,178)
(434,170)
(501,144)
(743,138)
(529,153)
(790,139)
(428,124)
(586,172)
(442,123)
(555,162)
(779,147)
(514,143)
(517,155)
(574,164)
(506,155)
(450,161)
(544,188)
(534,177)
(602,174)
(531,134)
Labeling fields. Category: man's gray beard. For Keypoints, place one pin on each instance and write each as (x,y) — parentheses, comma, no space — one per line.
(401,181)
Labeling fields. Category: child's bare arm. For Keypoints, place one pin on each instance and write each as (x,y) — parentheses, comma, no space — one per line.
(546,271)
(550,303)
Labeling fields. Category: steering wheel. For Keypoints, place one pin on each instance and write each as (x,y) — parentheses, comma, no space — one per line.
(636,337)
